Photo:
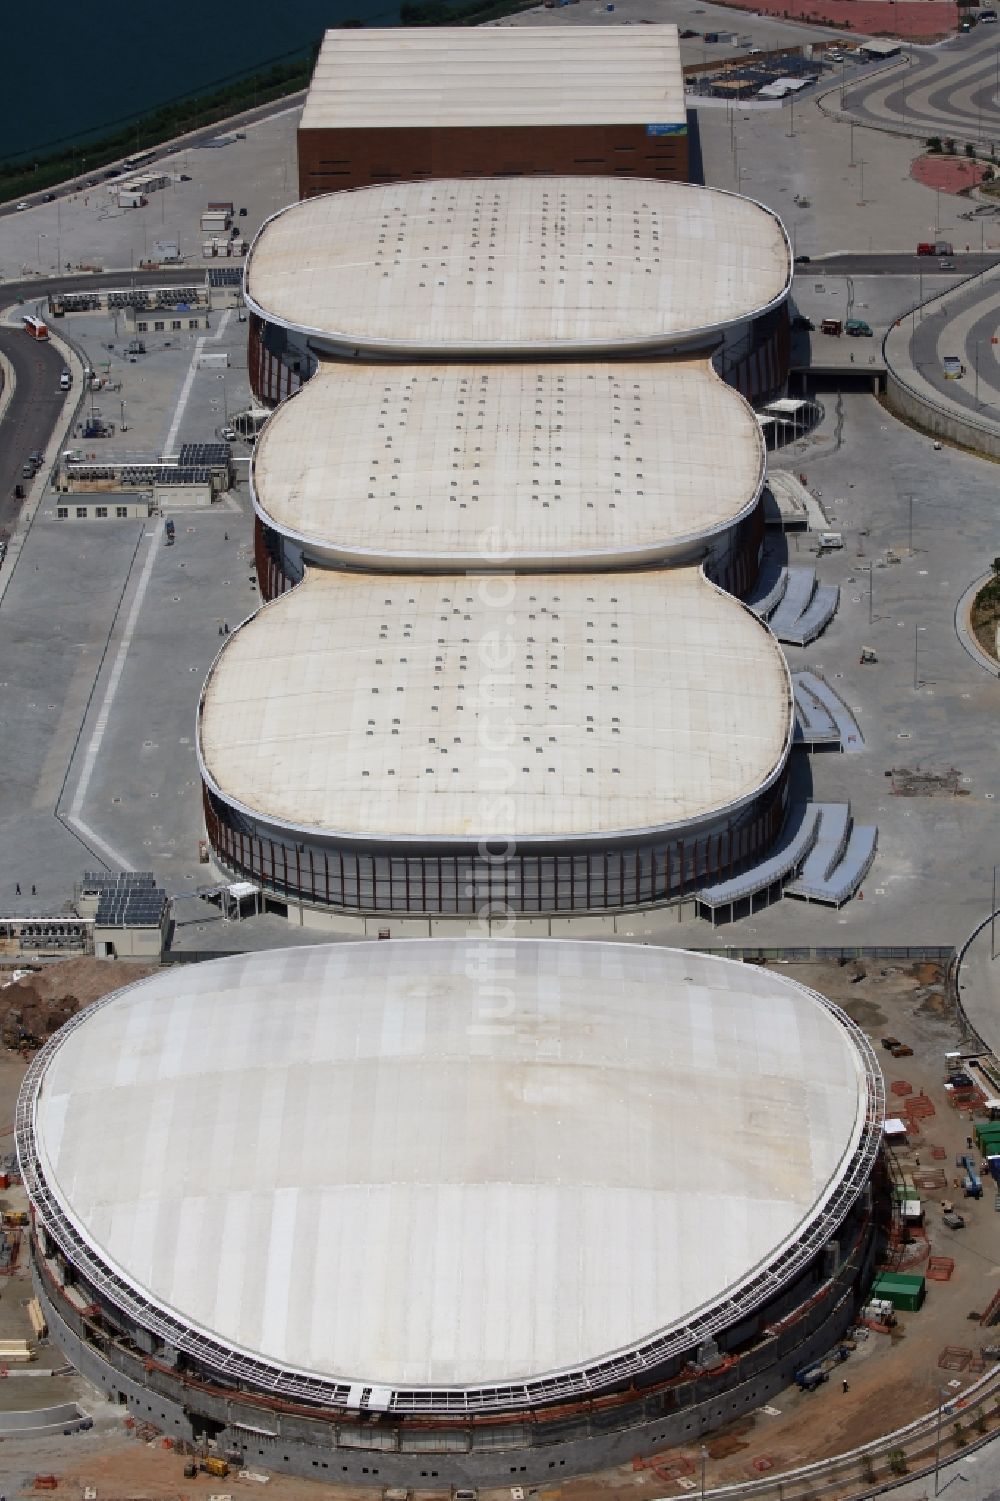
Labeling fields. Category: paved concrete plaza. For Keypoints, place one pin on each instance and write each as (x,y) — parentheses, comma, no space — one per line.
(87,229)
(948,89)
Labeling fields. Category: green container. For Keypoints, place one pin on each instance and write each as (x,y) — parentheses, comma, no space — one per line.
(906,1293)
(988,1134)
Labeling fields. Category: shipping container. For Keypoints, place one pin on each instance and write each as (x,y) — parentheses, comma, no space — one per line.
(906,1293)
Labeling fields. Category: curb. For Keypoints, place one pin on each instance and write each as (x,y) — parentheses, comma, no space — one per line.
(963,632)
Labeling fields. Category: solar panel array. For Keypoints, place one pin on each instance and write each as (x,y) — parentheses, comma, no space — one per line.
(225,276)
(104,880)
(126,899)
(205,455)
(133,907)
(168,475)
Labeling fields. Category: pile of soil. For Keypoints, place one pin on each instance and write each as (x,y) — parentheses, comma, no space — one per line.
(37,1005)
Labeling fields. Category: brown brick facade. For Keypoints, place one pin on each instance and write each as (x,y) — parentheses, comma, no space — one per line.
(331,159)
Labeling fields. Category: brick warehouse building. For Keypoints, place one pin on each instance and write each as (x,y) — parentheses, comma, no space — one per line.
(403,105)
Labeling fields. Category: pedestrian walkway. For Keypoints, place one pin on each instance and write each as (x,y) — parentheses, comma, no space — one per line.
(979,983)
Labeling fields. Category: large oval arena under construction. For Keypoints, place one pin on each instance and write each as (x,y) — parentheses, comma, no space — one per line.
(447,1211)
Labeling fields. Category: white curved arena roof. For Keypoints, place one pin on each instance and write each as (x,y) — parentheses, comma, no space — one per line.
(531,264)
(383,706)
(459,76)
(528,465)
(434,1163)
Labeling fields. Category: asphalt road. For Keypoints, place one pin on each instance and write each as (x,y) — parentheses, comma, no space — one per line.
(896,265)
(32,414)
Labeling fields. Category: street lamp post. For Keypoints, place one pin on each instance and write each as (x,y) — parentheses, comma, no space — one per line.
(38,253)
(704,1461)
(791,115)
(853,162)
(911,523)
(993,918)
(871,592)
(916,643)
(861,198)
(942,1399)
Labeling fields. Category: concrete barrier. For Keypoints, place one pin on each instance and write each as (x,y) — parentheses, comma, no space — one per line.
(908,398)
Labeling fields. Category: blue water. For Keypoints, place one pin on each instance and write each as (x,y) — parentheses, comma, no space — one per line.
(73,70)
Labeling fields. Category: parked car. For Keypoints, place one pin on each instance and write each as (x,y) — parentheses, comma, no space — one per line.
(21,206)
(946,265)
(803,260)
(858,328)
(48,197)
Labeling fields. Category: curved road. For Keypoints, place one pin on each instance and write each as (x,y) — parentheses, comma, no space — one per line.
(951,90)
(32,414)
(965,324)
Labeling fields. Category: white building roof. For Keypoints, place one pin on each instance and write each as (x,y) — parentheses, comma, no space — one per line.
(334,1158)
(451,466)
(410,78)
(533,264)
(360,705)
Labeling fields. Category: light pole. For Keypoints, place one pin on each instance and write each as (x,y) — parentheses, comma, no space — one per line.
(993,918)
(38,254)
(704,1461)
(861,198)
(916,642)
(853,162)
(871,592)
(977,372)
(937,1442)
(911,523)
(791,115)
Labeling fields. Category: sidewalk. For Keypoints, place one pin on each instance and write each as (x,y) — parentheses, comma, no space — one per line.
(979,982)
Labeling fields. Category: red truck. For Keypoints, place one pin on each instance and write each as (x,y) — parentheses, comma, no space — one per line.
(935,247)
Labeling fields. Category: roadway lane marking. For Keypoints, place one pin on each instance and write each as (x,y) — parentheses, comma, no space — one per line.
(97,737)
(182,399)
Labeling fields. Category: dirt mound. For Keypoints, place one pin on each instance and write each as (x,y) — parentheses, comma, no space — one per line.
(37,1005)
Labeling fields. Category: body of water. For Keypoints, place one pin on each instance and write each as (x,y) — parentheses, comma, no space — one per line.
(73,72)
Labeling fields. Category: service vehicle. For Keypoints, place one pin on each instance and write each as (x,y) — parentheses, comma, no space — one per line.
(832,326)
(34,327)
(953,367)
(935,247)
(953,1219)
